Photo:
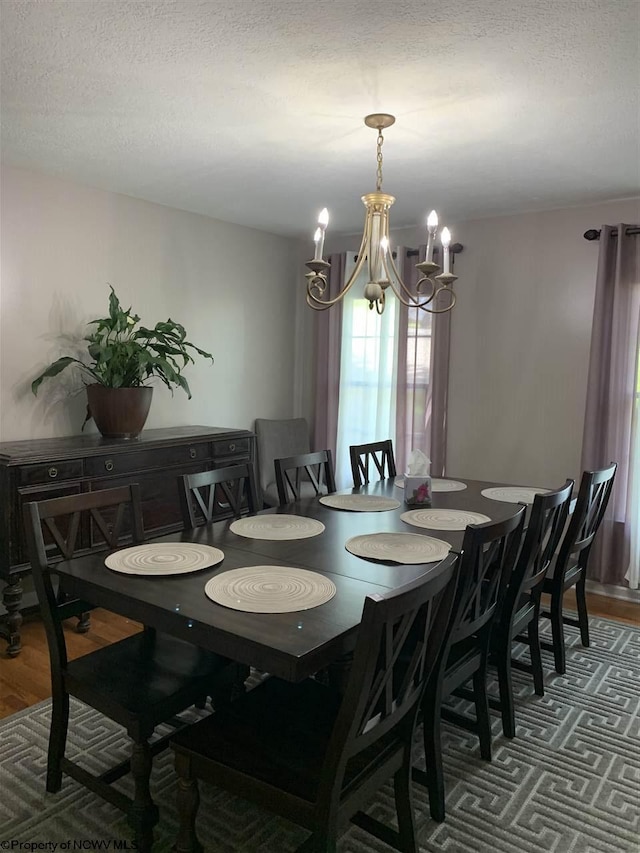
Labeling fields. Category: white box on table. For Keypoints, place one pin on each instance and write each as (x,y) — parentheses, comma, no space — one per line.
(417,490)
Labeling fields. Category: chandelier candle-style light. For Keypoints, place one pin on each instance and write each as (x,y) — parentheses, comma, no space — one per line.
(374,250)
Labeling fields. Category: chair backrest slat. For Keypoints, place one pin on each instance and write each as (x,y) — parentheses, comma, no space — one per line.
(314,468)
(593,497)
(397,648)
(123,503)
(546,525)
(216,492)
(489,551)
(378,453)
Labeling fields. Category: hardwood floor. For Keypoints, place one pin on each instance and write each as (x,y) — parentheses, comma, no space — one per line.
(25,679)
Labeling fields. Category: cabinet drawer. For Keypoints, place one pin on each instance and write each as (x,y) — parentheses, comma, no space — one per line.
(146,460)
(230,447)
(50,472)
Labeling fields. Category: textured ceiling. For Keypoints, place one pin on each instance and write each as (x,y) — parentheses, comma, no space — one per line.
(251,110)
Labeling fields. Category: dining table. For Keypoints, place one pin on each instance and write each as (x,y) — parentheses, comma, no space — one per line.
(290,645)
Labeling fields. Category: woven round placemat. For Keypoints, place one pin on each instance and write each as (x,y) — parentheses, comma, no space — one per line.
(440,485)
(277,527)
(164,558)
(408,548)
(360,503)
(270,589)
(513,494)
(443,519)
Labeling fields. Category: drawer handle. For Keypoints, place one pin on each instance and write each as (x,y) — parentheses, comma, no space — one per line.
(53,473)
(192,452)
(232,447)
(108,465)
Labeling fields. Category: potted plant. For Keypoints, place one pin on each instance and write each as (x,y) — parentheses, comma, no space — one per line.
(124,357)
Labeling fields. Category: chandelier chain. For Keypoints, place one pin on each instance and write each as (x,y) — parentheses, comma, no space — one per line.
(379,173)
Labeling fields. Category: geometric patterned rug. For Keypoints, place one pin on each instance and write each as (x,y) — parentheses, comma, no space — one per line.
(568,783)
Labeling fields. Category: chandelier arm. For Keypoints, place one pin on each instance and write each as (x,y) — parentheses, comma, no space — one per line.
(410,300)
(321,304)
(452,302)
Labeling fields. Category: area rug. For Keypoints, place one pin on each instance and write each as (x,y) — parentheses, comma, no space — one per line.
(568,783)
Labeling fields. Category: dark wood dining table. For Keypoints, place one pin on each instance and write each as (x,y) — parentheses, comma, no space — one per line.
(289,645)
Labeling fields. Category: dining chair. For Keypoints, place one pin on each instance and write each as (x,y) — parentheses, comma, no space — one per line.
(139,682)
(275,439)
(210,494)
(519,605)
(570,566)
(314,755)
(378,454)
(304,475)
(488,551)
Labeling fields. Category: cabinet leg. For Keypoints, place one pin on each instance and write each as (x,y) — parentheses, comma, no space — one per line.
(84,622)
(12,599)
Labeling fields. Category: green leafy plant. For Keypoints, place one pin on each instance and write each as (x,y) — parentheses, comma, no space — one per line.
(126,355)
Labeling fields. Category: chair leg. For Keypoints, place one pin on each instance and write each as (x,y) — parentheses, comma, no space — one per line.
(557,633)
(403,793)
(482,710)
(188,802)
(57,739)
(583,618)
(536,657)
(505,684)
(434,776)
(143,814)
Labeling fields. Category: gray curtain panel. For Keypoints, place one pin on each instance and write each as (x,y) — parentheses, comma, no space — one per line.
(611,391)
(421,411)
(328,344)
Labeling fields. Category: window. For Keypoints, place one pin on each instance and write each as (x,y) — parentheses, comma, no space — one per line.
(385,377)
(368,371)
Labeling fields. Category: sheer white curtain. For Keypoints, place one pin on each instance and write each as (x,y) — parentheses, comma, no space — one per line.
(368,371)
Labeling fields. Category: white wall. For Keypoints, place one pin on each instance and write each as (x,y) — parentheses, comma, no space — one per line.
(520,341)
(233,288)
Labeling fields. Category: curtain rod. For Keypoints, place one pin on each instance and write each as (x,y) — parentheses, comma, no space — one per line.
(594,233)
(455,249)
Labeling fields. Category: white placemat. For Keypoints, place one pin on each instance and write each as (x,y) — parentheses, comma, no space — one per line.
(440,485)
(270,589)
(398,547)
(360,503)
(437,485)
(443,519)
(277,527)
(164,558)
(513,494)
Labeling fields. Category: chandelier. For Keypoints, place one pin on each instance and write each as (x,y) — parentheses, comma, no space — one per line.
(374,251)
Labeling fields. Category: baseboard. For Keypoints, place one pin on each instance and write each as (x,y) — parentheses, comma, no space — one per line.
(614,591)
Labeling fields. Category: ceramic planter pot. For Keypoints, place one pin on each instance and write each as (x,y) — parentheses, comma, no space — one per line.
(119,412)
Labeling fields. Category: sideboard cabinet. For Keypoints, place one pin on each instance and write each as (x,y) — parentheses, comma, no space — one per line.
(40,469)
